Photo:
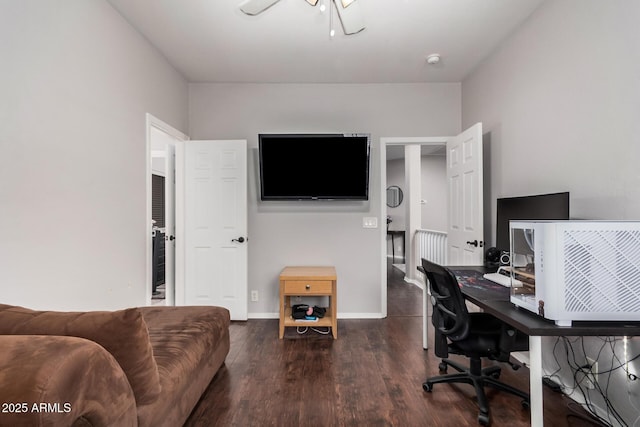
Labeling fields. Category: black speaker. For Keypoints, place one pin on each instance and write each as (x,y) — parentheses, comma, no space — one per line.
(505,258)
(492,257)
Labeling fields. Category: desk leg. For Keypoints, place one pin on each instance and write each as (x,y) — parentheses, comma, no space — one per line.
(535,381)
(425,314)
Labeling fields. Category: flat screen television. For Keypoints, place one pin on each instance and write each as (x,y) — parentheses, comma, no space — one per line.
(314,166)
(537,207)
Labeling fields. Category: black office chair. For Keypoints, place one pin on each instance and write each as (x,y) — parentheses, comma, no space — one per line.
(474,335)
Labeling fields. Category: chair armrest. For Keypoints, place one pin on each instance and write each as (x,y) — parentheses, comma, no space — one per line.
(54,380)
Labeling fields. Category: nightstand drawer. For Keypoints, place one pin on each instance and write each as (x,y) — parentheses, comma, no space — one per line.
(307,287)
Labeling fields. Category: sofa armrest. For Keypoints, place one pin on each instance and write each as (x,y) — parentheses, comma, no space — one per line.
(55,380)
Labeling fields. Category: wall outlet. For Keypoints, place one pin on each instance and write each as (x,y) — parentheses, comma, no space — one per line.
(591,375)
(254,296)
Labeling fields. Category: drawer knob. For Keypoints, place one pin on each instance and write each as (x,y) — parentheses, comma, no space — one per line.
(308,287)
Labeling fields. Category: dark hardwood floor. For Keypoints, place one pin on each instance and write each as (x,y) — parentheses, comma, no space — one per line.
(370,376)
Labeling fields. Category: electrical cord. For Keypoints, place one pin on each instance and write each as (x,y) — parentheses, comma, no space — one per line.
(586,392)
(301,330)
(601,388)
(621,365)
(633,405)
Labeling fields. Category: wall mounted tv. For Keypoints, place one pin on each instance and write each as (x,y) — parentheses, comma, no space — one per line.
(537,207)
(314,166)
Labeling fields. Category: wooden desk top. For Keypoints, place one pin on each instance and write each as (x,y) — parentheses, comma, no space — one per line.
(309,273)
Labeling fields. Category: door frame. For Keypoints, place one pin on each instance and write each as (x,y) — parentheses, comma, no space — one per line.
(384,142)
(150,123)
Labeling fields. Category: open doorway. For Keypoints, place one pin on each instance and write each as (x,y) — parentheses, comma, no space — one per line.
(407,154)
(161,145)
(463,240)
(420,194)
(411,197)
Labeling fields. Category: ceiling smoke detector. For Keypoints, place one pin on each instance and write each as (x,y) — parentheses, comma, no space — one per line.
(433,59)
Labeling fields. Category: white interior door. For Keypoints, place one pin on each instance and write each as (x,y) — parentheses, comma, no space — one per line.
(170,224)
(211,193)
(464,178)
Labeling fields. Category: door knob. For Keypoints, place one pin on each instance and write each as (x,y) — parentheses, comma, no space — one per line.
(474,243)
(239,240)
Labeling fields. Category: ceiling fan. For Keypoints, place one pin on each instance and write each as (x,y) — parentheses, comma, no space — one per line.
(348,11)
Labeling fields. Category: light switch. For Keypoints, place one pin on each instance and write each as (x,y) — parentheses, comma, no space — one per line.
(369,222)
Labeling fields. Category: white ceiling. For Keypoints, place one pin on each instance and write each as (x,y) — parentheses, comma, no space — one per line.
(213,41)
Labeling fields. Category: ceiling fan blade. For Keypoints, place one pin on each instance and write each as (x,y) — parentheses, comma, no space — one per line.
(254,7)
(351,17)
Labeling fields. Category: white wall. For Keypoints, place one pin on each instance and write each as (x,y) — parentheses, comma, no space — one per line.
(434,193)
(320,233)
(560,103)
(433,180)
(76,81)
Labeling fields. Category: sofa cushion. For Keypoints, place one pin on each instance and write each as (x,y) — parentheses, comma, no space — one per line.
(79,381)
(189,344)
(122,333)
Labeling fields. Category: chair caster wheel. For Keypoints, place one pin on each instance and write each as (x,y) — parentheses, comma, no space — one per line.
(495,375)
(483,419)
(442,367)
(525,404)
(427,387)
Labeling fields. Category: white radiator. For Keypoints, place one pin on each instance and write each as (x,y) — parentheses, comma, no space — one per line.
(432,246)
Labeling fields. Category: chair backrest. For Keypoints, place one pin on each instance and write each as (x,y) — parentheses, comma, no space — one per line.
(450,315)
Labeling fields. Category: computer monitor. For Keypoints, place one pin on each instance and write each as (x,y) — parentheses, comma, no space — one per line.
(554,206)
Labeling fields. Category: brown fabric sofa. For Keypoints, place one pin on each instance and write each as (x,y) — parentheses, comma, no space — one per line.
(144,366)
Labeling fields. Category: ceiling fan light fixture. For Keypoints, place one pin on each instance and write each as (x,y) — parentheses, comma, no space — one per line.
(332,32)
(351,17)
(254,7)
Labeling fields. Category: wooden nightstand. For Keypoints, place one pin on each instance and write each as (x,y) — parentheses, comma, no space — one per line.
(312,281)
